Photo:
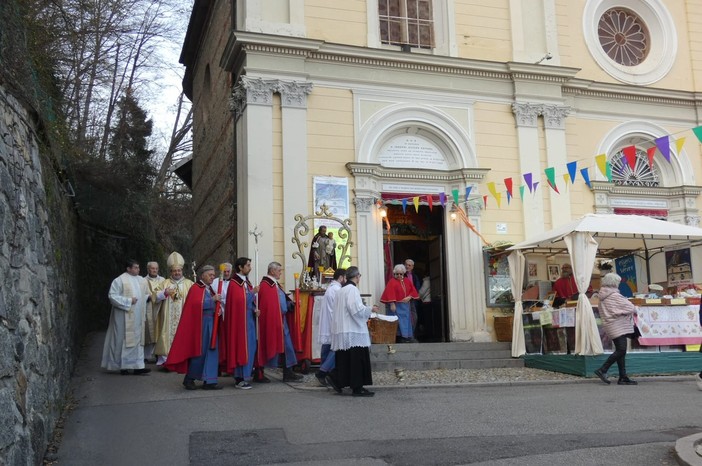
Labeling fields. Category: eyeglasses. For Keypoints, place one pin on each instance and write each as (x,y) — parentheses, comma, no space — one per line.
(398,274)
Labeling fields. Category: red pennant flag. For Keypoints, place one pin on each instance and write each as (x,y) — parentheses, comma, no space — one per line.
(508,184)
(630,154)
(651,151)
(430,201)
(485,201)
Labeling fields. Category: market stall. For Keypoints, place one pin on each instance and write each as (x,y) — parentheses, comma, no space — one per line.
(581,240)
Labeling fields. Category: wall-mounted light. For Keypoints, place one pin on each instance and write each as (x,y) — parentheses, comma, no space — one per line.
(453,213)
(383,211)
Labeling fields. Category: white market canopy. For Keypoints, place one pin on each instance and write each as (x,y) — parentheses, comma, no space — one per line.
(582,238)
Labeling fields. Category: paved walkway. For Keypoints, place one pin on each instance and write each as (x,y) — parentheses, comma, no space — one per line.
(121,419)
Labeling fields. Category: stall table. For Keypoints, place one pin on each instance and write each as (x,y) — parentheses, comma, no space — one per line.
(550,340)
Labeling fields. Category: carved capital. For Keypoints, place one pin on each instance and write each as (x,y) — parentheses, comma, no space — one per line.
(474,208)
(293,93)
(237,101)
(363,204)
(259,91)
(692,220)
(526,113)
(554,116)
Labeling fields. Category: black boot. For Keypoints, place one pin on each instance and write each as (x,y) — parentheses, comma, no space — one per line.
(602,374)
(290,376)
(626,381)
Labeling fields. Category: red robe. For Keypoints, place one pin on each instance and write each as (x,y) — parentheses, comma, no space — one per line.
(397,290)
(187,342)
(270,322)
(234,349)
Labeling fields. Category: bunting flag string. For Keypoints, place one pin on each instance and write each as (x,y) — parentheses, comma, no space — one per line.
(628,155)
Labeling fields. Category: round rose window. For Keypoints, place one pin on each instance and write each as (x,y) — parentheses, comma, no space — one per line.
(623,36)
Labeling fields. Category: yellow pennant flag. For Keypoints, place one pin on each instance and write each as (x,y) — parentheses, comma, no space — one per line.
(601,161)
(498,198)
(679,145)
(491,188)
(415,200)
(566,178)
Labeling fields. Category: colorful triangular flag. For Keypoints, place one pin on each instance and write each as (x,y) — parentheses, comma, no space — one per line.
(551,176)
(601,161)
(586,176)
(651,151)
(572,170)
(663,145)
(528,180)
(679,145)
(698,132)
(630,154)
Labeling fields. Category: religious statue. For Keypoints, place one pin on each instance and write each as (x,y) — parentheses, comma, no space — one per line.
(318,252)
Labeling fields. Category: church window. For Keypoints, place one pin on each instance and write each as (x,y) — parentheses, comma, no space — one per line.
(623,36)
(642,174)
(406,22)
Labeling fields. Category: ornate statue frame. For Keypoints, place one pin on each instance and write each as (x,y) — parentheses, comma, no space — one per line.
(302,230)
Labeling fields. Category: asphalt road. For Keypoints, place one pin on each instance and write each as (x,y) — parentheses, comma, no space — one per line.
(152,420)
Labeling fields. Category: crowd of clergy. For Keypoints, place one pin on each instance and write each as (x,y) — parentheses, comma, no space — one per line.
(226,325)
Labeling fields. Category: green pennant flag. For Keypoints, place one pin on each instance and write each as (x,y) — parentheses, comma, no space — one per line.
(455,196)
(609,171)
(521,192)
(551,175)
(698,133)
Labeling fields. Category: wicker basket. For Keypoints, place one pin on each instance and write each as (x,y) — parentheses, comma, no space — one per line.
(382,331)
(503,328)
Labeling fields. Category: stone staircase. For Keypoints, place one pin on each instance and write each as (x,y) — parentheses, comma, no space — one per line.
(427,356)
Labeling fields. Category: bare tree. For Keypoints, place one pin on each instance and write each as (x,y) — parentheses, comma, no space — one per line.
(180,143)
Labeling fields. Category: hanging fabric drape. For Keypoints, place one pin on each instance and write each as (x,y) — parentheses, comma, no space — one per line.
(582,249)
(516,267)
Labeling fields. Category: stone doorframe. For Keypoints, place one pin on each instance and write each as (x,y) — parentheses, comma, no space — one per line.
(465,302)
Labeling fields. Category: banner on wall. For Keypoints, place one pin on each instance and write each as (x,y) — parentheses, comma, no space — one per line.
(678,264)
(334,192)
(626,268)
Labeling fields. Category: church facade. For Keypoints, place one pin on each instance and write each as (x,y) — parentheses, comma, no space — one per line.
(412,101)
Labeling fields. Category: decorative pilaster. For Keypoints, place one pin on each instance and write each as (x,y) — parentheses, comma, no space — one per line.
(474,209)
(526,113)
(294,93)
(237,101)
(556,156)
(554,116)
(363,204)
(692,220)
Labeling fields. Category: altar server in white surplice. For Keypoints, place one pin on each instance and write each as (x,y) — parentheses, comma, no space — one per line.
(124,341)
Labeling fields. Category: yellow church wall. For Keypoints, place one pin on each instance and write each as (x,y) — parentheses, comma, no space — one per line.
(694,24)
(574,52)
(330,141)
(483,31)
(497,149)
(337,22)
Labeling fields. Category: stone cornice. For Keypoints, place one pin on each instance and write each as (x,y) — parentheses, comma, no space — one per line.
(410,174)
(591,89)
(612,189)
(241,43)
(311,49)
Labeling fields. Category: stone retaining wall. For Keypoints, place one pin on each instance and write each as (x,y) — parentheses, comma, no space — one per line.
(38,312)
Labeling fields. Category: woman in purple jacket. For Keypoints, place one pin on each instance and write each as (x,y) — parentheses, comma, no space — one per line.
(617,315)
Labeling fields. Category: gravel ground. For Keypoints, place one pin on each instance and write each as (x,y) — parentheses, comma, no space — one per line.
(455,376)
